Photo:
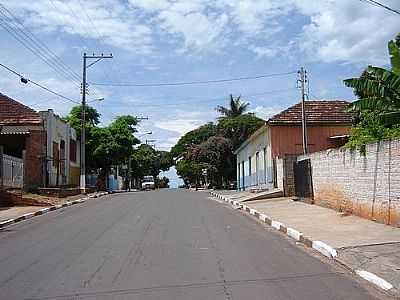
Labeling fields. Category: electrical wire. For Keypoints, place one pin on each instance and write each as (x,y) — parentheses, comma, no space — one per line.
(14,25)
(378,4)
(38,84)
(194,82)
(203,100)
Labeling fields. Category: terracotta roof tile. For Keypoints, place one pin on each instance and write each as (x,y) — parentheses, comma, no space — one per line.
(317,112)
(14,112)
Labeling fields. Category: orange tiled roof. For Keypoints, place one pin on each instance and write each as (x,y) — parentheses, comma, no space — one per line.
(13,112)
(317,112)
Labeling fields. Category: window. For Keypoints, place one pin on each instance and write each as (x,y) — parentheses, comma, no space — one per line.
(72,150)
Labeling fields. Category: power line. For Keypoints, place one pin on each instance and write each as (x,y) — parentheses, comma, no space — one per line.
(38,84)
(36,41)
(378,4)
(193,82)
(23,35)
(203,100)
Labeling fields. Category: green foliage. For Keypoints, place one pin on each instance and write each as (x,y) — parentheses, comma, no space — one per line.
(145,160)
(193,137)
(378,107)
(235,109)
(211,146)
(75,116)
(162,183)
(190,171)
(371,129)
(238,129)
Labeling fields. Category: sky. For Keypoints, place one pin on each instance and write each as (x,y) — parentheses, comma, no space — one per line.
(162,41)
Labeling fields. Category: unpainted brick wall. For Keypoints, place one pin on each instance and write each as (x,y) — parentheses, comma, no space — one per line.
(367,184)
(34,159)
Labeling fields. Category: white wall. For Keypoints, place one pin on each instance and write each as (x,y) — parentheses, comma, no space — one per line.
(261,174)
(57,130)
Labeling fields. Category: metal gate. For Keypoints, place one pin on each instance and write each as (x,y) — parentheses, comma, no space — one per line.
(303,179)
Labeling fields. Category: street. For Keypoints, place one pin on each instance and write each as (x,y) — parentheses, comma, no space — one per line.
(169,244)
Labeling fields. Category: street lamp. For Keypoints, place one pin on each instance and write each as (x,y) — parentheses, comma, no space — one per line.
(95,100)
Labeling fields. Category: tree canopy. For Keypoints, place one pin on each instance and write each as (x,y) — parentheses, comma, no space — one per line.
(378,106)
(210,147)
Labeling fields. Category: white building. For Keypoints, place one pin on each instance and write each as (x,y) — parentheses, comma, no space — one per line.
(62,148)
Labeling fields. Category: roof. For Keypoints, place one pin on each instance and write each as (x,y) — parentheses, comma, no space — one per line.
(317,112)
(13,112)
(18,129)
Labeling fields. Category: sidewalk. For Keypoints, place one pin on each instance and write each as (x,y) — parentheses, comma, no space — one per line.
(360,244)
(15,212)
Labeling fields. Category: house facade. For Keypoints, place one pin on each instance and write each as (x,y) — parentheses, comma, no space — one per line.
(47,145)
(328,126)
(62,163)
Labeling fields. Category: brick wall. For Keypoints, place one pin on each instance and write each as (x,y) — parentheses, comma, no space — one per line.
(367,185)
(34,159)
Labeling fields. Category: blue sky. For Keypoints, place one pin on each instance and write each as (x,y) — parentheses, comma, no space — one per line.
(175,40)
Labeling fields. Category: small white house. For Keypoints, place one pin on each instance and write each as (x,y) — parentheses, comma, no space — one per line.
(254,161)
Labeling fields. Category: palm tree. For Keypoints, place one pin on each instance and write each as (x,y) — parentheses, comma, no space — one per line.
(236,108)
(378,89)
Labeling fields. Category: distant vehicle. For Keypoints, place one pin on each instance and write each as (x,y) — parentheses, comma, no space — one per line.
(148,183)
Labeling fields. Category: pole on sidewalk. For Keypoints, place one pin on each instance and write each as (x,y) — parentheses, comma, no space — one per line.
(303,81)
(83,116)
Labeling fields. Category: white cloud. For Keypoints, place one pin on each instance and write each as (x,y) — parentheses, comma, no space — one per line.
(180,126)
(265,112)
(347,31)
(264,51)
(107,21)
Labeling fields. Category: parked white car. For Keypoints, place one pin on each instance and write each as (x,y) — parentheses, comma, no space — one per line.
(148,183)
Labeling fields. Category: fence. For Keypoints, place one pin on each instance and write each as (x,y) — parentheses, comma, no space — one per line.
(366,184)
(12,172)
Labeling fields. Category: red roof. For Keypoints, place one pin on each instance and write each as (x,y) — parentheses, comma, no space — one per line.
(15,113)
(317,112)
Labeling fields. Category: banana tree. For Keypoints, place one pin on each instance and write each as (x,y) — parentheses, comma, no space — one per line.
(379,89)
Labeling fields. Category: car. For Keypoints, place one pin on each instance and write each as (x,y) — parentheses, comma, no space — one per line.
(148,183)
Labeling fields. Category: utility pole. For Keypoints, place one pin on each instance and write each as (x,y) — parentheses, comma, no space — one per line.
(303,81)
(83,117)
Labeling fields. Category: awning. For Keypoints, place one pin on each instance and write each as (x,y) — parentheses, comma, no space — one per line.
(18,129)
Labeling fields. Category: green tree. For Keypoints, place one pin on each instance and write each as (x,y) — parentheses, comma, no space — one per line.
(145,160)
(379,89)
(75,116)
(193,137)
(236,108)
(216,154)
(238,129)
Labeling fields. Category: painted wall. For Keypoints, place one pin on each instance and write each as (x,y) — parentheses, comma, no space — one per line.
(256,168)
(57,131)
(366,185)
(288,139)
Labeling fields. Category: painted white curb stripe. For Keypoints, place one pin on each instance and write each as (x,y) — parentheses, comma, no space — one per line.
(293,233)
(263,217)
(252,211)
(382,283)
(7,222)
(324,249)
(276,224)
(28,216)
(44,210)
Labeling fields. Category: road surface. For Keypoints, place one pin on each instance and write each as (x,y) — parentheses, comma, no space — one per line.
(170,244)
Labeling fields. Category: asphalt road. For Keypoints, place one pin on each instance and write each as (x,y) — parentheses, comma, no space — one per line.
(170,244)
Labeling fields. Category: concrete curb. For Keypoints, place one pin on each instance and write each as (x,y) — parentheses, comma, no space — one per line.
(45,210)
(319,246)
